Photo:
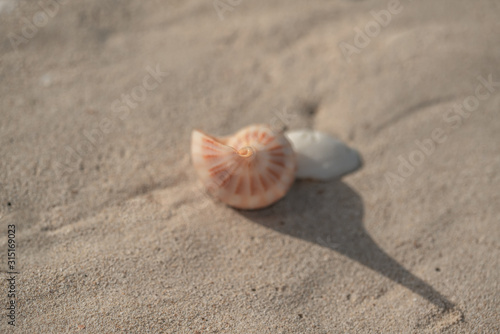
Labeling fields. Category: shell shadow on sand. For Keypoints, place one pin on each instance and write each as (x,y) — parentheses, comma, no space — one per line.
(336,222)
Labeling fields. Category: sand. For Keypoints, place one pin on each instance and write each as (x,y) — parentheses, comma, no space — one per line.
(114,235)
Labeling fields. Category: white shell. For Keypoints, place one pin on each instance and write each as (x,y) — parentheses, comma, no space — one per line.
(320,156)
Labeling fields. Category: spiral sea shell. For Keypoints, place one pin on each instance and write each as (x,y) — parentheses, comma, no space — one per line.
(251,169)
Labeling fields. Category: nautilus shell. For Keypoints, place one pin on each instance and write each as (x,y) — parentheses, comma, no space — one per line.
(251,169)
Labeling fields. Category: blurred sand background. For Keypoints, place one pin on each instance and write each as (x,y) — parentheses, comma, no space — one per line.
(114,235)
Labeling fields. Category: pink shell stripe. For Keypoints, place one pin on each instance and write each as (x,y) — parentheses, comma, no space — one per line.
(251,169)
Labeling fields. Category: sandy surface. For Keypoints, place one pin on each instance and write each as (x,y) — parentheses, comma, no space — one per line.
(114,235)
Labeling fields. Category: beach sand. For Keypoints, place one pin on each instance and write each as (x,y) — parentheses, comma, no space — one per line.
(114,235)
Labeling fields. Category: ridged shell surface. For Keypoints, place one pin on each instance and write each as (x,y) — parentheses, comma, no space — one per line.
(251,169)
